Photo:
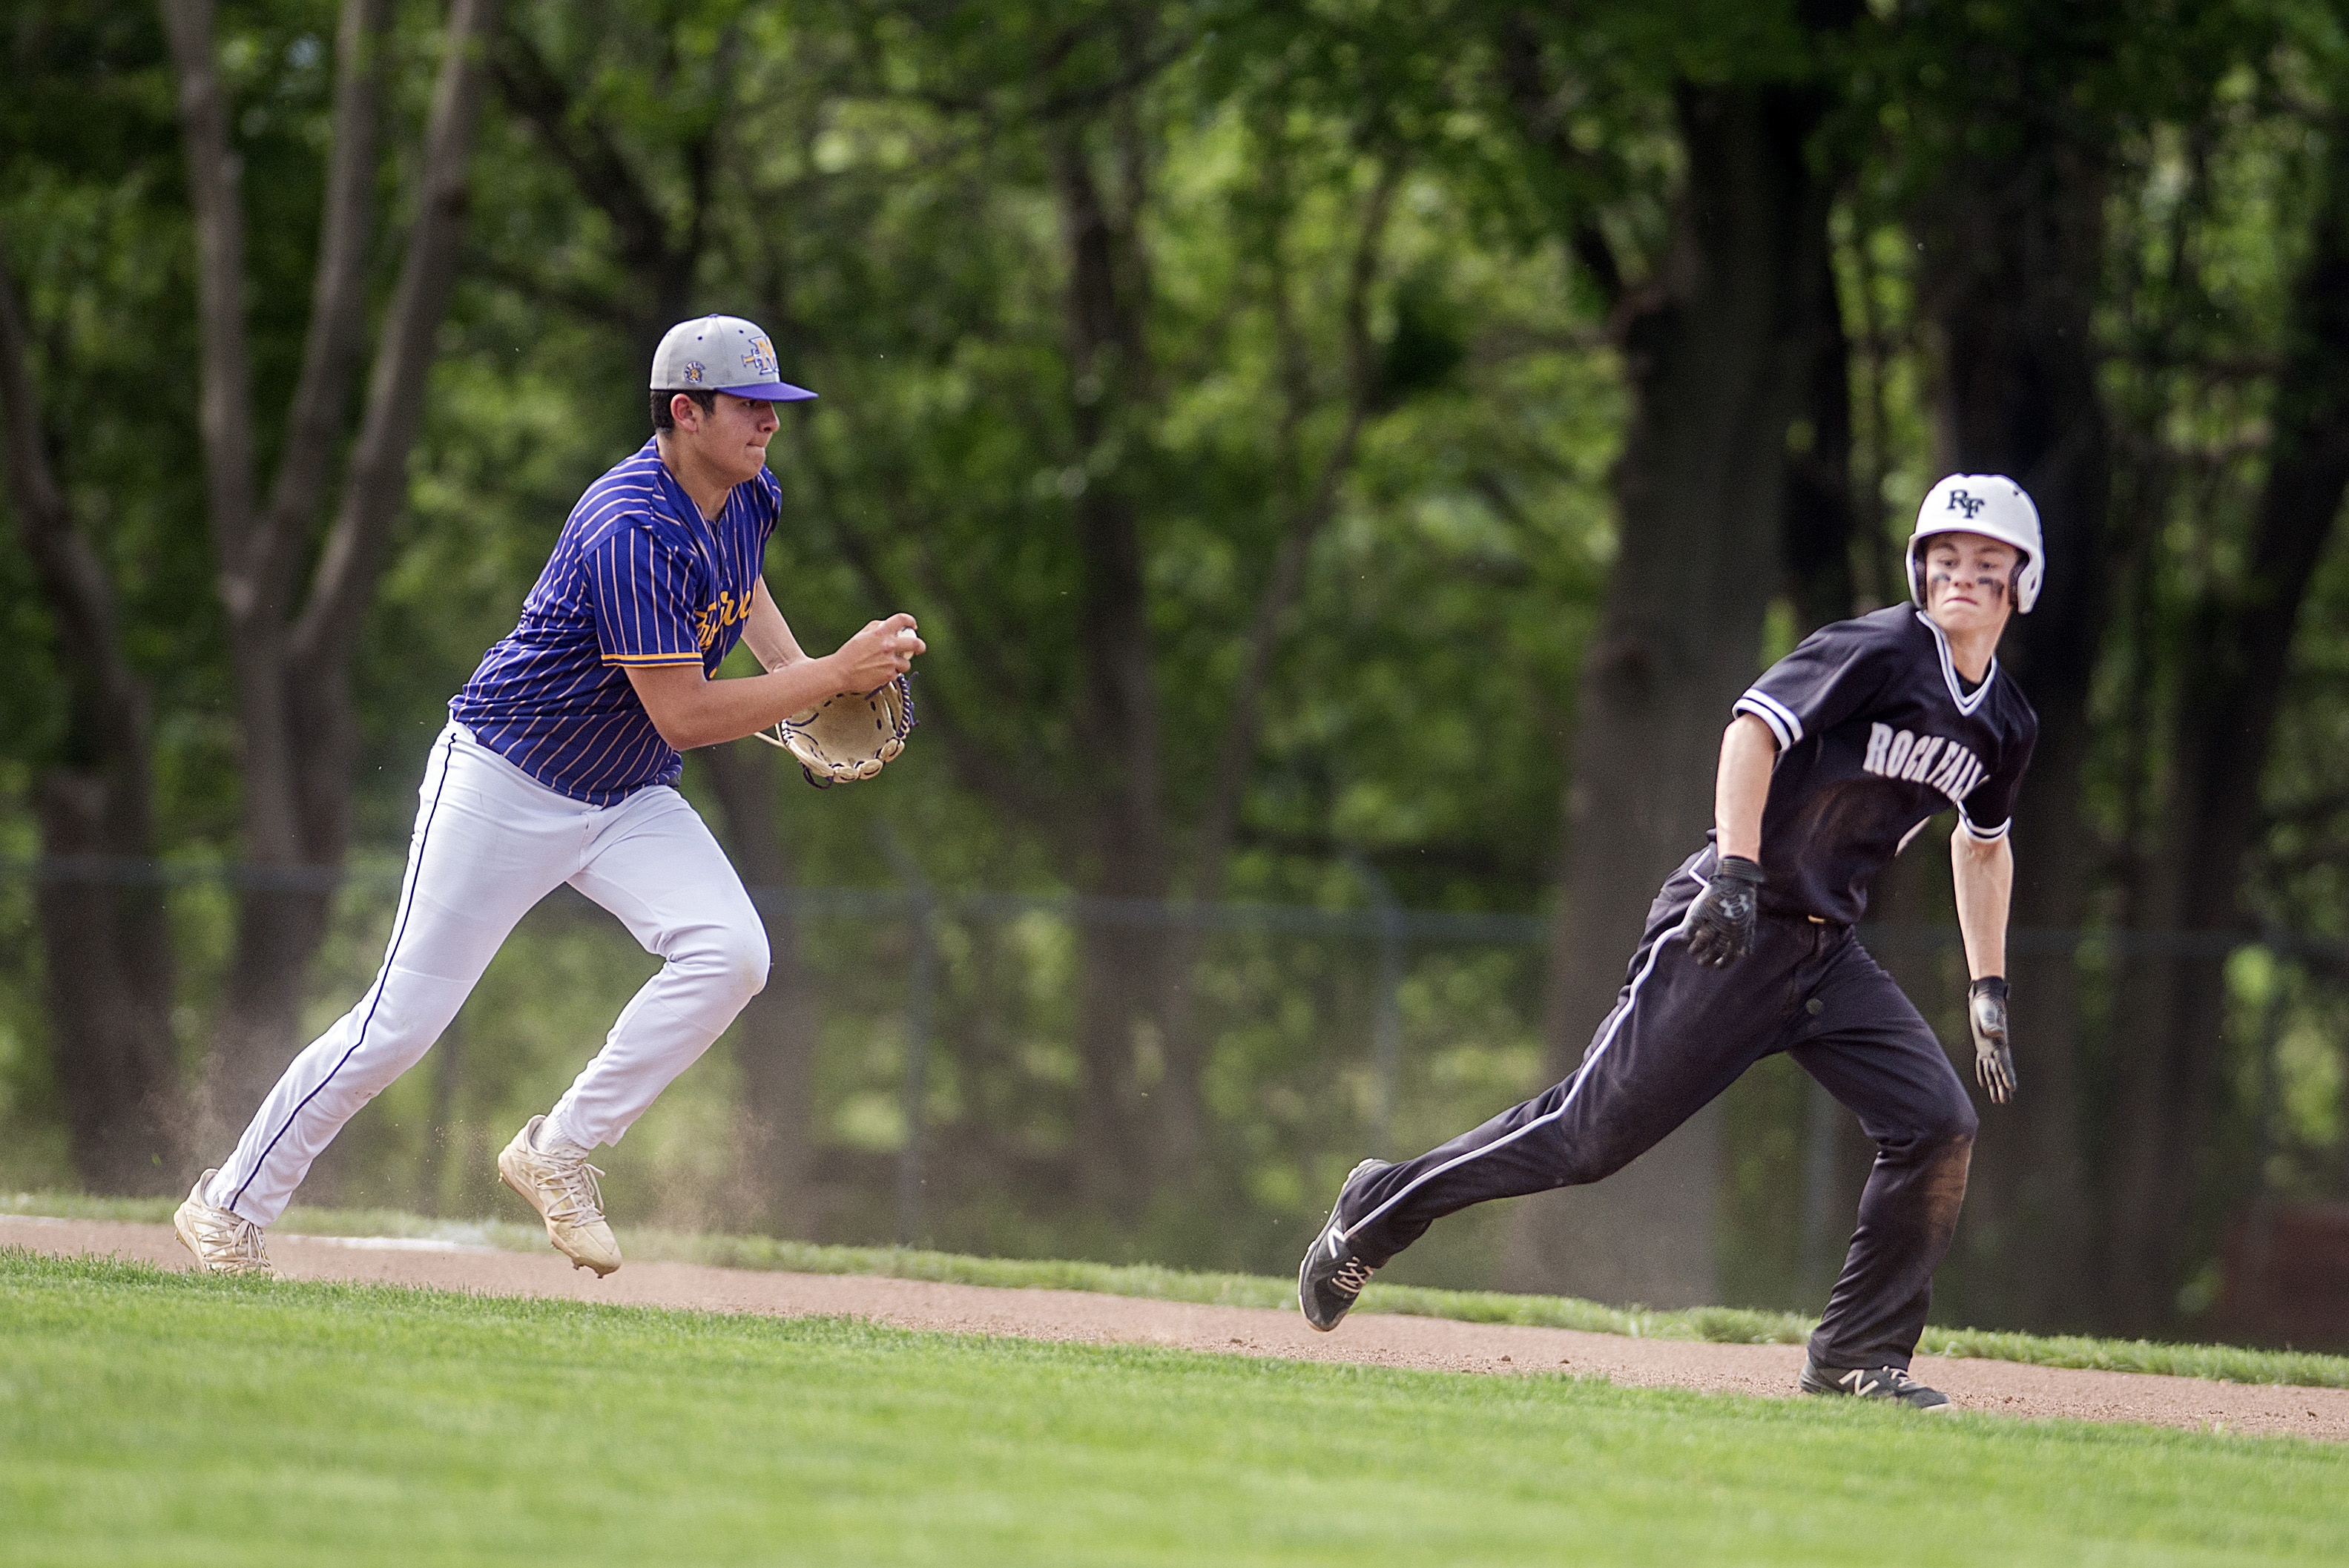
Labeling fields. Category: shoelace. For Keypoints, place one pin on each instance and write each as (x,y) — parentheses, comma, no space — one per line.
(578,1194)
(1351,1278)
(235,1235)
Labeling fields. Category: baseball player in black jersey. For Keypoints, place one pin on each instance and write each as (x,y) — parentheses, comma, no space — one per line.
(1832,762)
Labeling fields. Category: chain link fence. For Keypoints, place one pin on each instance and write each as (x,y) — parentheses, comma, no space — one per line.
(944,1077)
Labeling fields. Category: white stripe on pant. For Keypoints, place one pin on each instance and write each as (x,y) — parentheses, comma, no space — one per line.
(489,842)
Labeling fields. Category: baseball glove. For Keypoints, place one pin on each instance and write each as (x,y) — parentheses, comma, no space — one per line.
(847,737)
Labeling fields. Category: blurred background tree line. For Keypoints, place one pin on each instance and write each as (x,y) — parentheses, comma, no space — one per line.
(1345,457)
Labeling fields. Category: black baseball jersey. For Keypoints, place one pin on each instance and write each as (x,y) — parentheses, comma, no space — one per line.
(1876,735)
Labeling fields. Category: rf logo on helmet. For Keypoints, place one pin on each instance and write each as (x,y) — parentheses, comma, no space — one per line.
(1991,505)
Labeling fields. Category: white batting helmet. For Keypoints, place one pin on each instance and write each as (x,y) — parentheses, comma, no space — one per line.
(1992,506)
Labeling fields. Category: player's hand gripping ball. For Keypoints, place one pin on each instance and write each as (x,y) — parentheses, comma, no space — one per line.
(1986,1015)
(1721,923)
(847,737)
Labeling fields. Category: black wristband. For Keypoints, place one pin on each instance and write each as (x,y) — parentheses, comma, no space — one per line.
(1989,985)
(1741,868)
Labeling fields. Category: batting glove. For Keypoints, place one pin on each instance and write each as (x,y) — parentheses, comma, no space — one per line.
(1722,922)
(1986,1014)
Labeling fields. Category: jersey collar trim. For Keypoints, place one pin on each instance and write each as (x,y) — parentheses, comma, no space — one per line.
(682,511)
(700,531)
(1967,702)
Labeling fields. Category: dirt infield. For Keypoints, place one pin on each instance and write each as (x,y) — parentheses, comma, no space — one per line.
(1375,1339)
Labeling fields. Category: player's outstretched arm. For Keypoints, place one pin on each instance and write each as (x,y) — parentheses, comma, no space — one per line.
(692,710)
(1983,873)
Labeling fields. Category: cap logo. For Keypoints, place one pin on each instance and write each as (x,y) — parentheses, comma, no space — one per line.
(1968,504)
(761,356)
(694,370)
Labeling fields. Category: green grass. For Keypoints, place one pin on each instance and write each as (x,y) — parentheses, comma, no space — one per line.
(153,1417)
(1727,1325)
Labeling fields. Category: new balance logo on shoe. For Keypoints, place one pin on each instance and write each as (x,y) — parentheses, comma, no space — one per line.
(1330,1279)
(1891,1384)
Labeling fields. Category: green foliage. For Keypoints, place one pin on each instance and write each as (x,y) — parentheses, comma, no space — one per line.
(887,187)
(877,187)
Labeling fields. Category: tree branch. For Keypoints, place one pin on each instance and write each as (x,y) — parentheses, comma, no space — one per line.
(589,305)
(331,349)
(225,407)
(1074,103)
(1520,58)
(74,583)
(585,146)
(375,488)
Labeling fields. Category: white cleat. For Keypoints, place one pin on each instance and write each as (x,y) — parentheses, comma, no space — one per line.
(562,1188)
(223,1241)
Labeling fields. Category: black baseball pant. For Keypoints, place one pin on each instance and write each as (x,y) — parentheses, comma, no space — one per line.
(1678,1035)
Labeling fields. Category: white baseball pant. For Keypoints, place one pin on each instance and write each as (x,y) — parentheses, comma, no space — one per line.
(489,842)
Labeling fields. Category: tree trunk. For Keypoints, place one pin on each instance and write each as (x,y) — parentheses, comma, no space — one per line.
(1820,520)
(106,944)
(290,651)
(1715,356)
(2173,1007)
(2013,253)
(656,248)
(1122,840)
(776,1038)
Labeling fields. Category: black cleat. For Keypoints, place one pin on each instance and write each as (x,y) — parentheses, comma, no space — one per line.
(1330,1279)
(1891,1384)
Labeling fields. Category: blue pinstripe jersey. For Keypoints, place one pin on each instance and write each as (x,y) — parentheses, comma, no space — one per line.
(637,577)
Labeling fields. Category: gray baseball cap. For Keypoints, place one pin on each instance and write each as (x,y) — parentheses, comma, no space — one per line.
(721,354)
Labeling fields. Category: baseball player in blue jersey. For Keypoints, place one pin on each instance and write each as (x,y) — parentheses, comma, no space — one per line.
(1833,761)
(558,765)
